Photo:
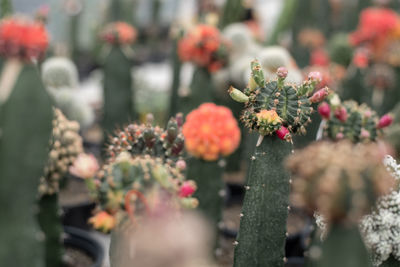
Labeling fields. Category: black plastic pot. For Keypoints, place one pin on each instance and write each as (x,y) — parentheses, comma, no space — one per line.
(81,240)
(78,215)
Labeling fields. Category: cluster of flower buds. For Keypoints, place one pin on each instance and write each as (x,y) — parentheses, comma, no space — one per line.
(278,108)
(22,38)
(135,185)
(119,33)
(211,131)
(145,139)
(340,181)
(358,123)
(205,47)
(65,146)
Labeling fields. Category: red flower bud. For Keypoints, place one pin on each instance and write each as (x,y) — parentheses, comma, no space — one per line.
(339,136)
(315,76)
(282,72)
(187,189)
(319,95)
(283,133)
(324,110)
(341,114)
(385,121)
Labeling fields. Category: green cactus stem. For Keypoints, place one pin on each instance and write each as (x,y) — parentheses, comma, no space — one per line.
(262,233)
(273,109)
(176,70)
(202,89)
(234,11)
(122,10)
(6,8)
(210,188)
(342,247)
(50,221)
(284,21)
(25,123)
(118,91)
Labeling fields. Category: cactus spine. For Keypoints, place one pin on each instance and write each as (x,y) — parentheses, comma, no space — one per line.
(273,109)
(25,123)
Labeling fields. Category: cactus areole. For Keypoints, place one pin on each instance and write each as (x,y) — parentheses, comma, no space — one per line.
(276,110)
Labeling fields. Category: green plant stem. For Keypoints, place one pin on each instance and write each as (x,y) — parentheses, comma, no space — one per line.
(342,247)
(210,188)
(50,222)
(176,70)
(25,125)
(262,232)
(6,8)
(234,11)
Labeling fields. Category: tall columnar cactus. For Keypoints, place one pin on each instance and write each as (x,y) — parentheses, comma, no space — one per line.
(65,146)
(234,11)
(176,78)
(211,132)
(131,187)
(118,90)
(358,123)
(275,110)
(6,8)
(204,47)
(25,126)
(340,181)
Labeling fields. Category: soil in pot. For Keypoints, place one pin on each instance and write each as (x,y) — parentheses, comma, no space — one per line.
(76,258)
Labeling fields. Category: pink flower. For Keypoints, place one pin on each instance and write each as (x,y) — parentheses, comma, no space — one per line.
(187,189)
(181,164)
(283,133)
(324,110)
(385,121)
(315,76)
(282,72)
(85,166)
(365,133)
(319,95)
(341,114)
(339,136)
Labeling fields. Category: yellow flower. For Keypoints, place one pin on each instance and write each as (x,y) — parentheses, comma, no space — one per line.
(103,221)
(268,117)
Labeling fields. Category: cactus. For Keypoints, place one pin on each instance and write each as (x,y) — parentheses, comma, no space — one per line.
(205,47)
(118,91)
(6,8)
(358,123)
(210,132)
(273,109)
(25,123)
(65,145)
(176,69)
(342,189)
(155,185)
(59,72)
(234,11)
(145,139)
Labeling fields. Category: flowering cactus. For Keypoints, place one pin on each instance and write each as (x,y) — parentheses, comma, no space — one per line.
(22,38)
(118,85)
(25,123)
(210,132)
(205,47)
(65,146)
(145,139)
(342,189)
(358,123)
(276,110)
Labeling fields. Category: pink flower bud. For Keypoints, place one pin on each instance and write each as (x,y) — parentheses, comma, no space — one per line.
(324,110)
(368,113)
(365,133)
(339,136)
(283,133)
(187,189)
(319,95)
(282,72)
(315,76)
(181,164)
(341,114)
(385,121)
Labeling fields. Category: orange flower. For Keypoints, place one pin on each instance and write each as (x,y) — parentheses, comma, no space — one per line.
(211,131)
(103,221)
(22,38)
(204,47)
(119,33)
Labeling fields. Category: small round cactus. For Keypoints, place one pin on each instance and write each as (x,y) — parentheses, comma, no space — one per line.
(358,123)
(66,145)
(145,139)
(211,131)
(271,105)
(129,179)
(59,72)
